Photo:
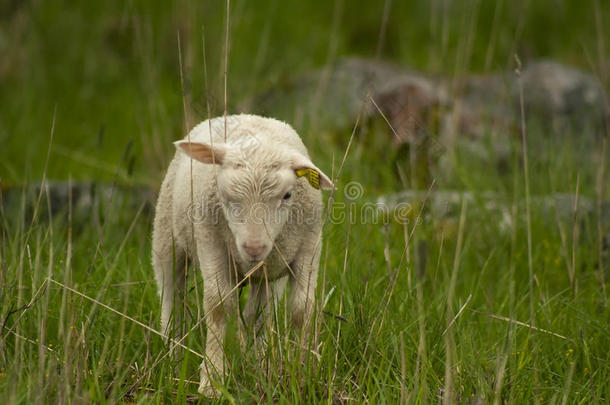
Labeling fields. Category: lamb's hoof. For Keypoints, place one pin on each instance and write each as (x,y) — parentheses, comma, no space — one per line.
(208,390)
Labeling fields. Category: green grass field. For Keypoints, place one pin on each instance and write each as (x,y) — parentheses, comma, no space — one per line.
(470,307)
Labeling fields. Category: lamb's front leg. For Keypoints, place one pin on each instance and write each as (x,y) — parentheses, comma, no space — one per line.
(219,302)
(303,284)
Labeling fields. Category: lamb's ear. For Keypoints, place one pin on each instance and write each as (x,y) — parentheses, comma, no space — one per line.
(303,167)
(202,151)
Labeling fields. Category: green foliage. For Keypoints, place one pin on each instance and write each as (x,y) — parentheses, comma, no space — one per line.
(403,313)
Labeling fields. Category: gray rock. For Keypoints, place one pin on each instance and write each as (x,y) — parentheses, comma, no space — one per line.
(86,200)
(561,91)
(443,206)
(332,97)
(418,105)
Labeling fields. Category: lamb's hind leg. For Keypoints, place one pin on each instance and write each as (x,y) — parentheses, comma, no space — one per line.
(169,263)
(168,256)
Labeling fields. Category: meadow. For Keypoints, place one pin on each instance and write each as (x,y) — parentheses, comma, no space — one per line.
(471,306)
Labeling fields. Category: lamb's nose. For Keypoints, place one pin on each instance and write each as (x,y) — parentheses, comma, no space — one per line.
(254,248)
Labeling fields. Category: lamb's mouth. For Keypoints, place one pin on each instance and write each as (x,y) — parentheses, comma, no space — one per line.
(257,259)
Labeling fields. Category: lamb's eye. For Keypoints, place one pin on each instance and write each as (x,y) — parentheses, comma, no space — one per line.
(287,196)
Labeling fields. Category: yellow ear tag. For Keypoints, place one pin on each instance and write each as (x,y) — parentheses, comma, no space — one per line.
(312,176)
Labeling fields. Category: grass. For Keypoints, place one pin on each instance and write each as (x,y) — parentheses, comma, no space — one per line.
(454,307)
(413,318)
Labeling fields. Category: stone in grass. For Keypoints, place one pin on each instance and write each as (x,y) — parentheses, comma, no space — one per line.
(417,104)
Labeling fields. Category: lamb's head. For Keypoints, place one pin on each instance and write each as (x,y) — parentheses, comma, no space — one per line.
(256,187)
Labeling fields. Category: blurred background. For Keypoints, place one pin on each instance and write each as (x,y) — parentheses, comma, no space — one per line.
(125,78)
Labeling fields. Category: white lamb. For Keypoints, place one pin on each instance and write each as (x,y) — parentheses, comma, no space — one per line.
(251,197)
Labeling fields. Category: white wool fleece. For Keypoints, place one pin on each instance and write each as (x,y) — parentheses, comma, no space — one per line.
(234,196)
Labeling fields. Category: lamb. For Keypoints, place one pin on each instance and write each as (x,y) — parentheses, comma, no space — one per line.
(240,190)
